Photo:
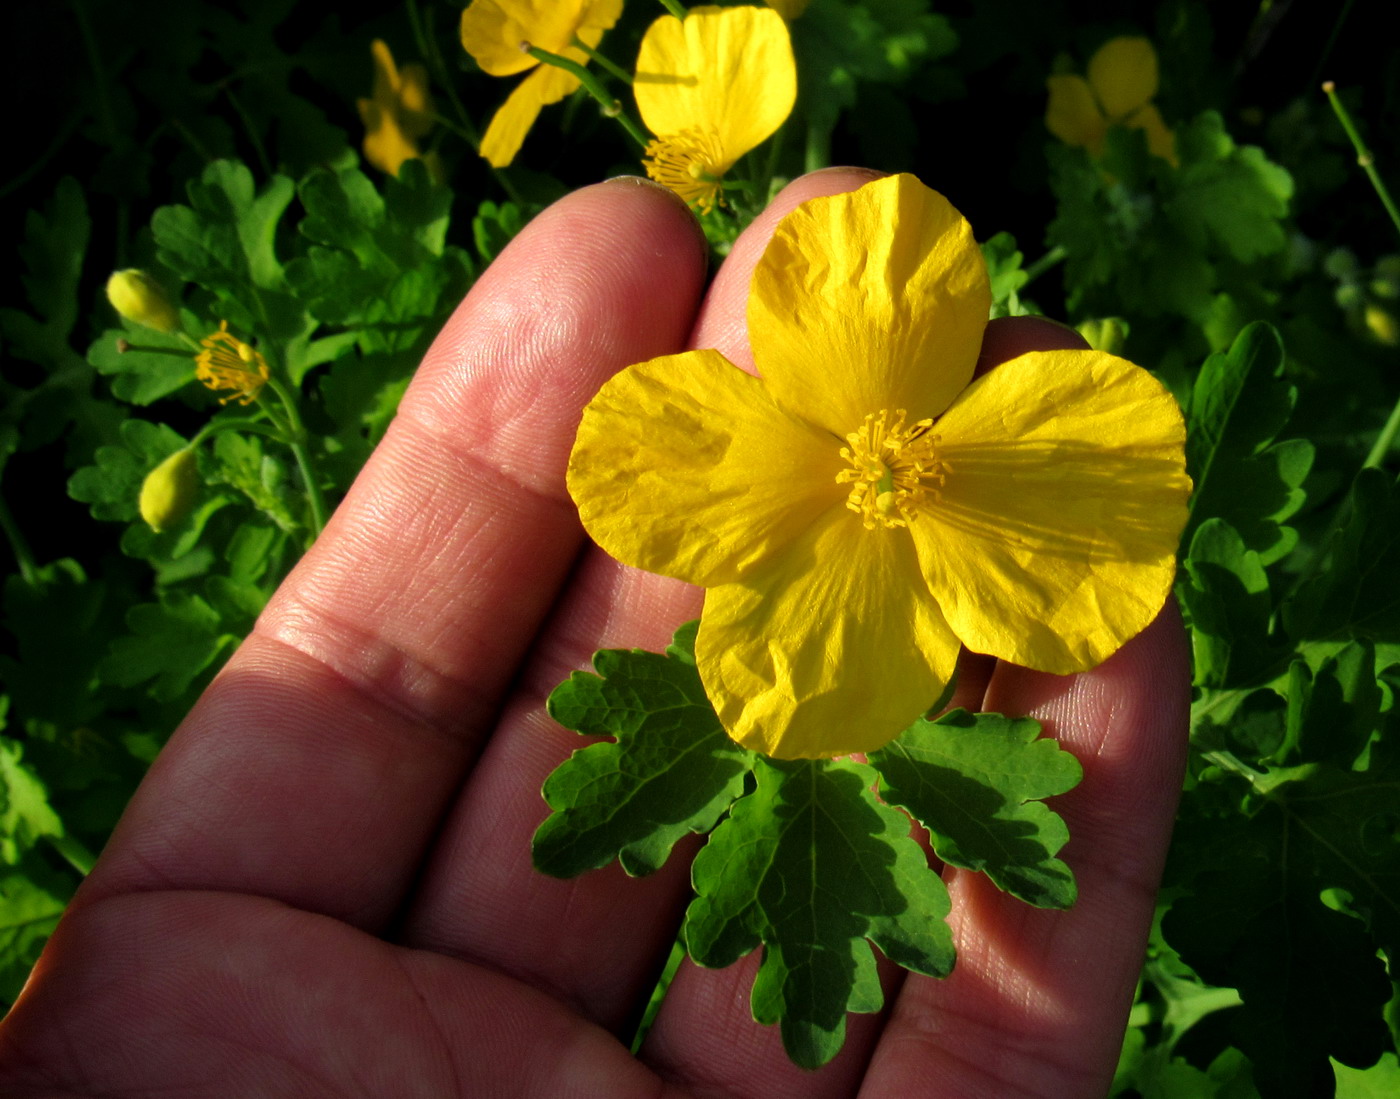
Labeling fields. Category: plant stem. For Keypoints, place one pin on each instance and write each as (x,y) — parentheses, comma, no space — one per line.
(28,571)
(296,440)
(1363,154)
(216,427)
(621,73)
(74,852)
(1384,440)
(1039,267)
(611,107)
(427,46)
(674,8)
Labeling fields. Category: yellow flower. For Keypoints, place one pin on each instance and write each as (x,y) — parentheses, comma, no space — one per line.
(711,88)
(866,507)
(226,362)
(168,492)
(138,297)
(400,112)
(497,33)
(1122,81)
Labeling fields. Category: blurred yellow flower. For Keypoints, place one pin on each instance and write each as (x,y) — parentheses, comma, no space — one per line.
(711,88)
(1122,80)
(226,362)
(497,33)
(399,112)
(866,507)
(169,490)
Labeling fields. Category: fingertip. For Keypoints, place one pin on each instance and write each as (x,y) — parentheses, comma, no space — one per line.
(1007,337)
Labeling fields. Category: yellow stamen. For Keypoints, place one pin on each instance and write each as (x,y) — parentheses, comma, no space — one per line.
(894,469)
(689,164)
(228,363)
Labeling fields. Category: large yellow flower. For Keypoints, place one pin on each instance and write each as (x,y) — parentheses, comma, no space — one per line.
(399,112)
(497,33)
(1122,81)
(712,88)
(865,507)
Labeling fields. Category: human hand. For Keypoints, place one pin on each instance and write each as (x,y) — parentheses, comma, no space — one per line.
(323,887)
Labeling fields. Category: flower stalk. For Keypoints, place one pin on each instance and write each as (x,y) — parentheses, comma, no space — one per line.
(612,106)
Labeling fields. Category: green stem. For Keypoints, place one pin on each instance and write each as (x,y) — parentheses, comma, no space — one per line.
(217,427)
(1363,154)
(621,73)
(1384,440)
(611,107)
(149,349)
(74,852)
(19,546)
(259,150)
(1055,256)
(818,151)
(428,47)
(674,8)
(296,440)
(99,72)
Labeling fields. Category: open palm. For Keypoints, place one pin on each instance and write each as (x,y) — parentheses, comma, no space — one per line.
(323,887)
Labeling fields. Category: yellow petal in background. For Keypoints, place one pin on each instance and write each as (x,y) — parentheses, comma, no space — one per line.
(684,466)
(493,30)
(1053,538)
(517,114)
(1123,75)
(1160,140)
(835,647)
(875,299)
(725,72)
(1072,115)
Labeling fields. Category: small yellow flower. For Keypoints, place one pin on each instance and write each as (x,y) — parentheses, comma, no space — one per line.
(866,507)
(711,88)
(399,112)
(497,33)
(226,362)
(1122,81)
(138,297)
(168,492)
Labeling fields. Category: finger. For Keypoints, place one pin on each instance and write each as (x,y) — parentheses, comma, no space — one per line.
(1038,1000)
(319,762)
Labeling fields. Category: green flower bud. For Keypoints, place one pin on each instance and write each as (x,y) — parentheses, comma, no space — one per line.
(138,297)
(1104,334)
(168,492)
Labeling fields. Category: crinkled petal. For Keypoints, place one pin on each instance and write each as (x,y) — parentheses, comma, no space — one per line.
(1160,140)
(517,114)
(834,647)
(874,299)
(1123,74)
(727,72)
(1072,115)
(1054,536)
(492,30)
(684,466)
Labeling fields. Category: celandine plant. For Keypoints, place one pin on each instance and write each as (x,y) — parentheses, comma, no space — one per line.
(856,514)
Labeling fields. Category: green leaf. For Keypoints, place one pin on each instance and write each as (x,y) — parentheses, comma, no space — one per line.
(111,486)
(1004,270)
(171,643)
(495,226)
(1333,712)
(1355,594)
(973,781)
(54,245)
(671,770)
(1380,1081)
(811,865)
(140,377)
(1239,404)
(32,898)
(1228,196)
(1227,601)
(25,813)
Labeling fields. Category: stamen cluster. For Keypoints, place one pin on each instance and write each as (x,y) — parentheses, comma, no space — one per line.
(226,362)
(894,469)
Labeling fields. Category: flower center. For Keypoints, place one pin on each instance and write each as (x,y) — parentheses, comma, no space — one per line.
(894,469)
(689,163)
(226,362)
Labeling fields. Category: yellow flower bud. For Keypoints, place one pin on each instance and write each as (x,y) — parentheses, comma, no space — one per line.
(138,297)
(1381,323)
(168,492)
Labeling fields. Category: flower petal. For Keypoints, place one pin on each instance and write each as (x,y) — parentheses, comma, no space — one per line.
(1052,542)
(493,30)
(1123,74)
(517,114)
(728,72)
(834,647)
(1160,140)
(874,299)
(684,466)
(1072,115)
